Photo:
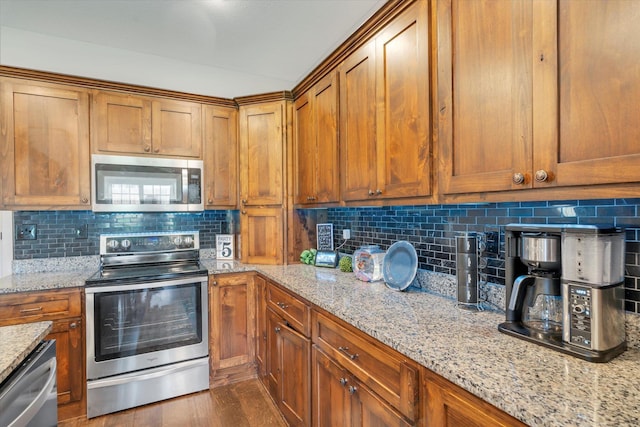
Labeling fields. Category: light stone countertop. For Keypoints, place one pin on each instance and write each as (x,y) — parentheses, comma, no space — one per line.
(17,341)
(539,386)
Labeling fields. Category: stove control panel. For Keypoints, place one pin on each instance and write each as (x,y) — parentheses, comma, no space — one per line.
(140,243)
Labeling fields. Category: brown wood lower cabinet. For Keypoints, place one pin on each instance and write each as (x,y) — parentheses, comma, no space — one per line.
(447,405)
(339,399)
(231,327)
(64,309)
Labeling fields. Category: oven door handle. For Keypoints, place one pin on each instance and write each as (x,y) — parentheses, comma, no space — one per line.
(144,285)
(154,373)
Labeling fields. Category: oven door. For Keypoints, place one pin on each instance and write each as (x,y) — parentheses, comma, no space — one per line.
(145,325)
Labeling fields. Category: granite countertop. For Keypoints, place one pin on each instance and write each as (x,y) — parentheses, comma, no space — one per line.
(17,342)
(539,386)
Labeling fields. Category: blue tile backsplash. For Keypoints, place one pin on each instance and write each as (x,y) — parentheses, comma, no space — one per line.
(431,229)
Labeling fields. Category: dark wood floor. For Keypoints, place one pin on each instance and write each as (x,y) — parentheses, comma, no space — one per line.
(244,404)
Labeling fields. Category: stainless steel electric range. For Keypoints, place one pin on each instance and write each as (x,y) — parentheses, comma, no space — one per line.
(147,321)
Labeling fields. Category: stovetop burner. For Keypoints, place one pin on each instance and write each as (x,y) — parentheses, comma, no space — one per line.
(144,257)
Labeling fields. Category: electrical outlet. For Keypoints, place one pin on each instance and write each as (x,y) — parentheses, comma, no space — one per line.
(82,232)
(346,234)
(26,232)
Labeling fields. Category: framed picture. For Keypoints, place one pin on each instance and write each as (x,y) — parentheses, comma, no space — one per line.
(224,246)
(324,233)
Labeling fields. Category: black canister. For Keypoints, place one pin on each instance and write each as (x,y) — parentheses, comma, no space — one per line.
(467,268)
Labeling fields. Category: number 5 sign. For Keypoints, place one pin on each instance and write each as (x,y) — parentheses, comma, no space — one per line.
(224,246)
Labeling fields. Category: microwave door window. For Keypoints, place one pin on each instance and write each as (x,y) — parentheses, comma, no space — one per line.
(139,186)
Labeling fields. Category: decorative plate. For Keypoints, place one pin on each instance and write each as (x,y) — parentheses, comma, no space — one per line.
(400,265)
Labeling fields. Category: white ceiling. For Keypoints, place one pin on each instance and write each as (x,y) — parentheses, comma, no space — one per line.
(223,48)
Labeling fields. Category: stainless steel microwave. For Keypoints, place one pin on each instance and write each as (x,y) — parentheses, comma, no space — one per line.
(145,184)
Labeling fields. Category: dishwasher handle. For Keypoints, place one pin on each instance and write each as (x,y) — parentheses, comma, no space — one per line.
(43,395)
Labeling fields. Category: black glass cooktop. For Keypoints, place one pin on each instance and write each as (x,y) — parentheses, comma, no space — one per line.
(125,274)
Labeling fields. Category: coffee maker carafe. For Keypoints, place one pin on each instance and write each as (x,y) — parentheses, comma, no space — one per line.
(565,288)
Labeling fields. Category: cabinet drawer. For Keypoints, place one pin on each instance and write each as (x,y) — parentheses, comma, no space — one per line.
(36,306)
(385,371)
(294,311)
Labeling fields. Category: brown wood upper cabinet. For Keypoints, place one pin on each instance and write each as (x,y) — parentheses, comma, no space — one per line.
(129,124)
(384,112)
(537,94)
(220,157)
(316,143)
(44,145)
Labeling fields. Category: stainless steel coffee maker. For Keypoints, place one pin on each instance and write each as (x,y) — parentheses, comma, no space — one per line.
(565,288)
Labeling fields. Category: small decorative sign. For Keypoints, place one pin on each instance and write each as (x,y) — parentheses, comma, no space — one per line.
(224,246)
(324,234)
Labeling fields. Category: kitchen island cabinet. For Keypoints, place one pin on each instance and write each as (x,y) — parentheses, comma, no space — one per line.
(44,139)
(232,326)
(124,123)
(64,309)
(385,149)
(524,103)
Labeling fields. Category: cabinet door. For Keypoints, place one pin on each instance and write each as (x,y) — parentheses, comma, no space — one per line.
(45,145)
(176,128)
(261,326)
(358,124)
(330,397)
(220,157)
(598,51)
(262,235)
(484,81)
(305,146)
(262,154)
(295,375)
(370,410)
(232,322)
(325,113)
(402,79)
(447,405)
(273,370)
(120,123)
(70,357)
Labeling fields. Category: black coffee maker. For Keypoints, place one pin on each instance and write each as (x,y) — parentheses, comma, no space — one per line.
(565,288)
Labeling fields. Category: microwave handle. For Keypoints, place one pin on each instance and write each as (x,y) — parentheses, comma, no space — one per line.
(185,186)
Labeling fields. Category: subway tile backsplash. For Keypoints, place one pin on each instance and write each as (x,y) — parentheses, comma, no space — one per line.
(431,229)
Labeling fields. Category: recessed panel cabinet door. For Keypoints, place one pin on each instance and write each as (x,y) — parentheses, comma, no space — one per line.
(45,145)
(402,76)
(262,154)
(358,124)
(306,155)
(262,235)
(220,157)
(177,128)
(332,406)
(484,82)
(121,123)
(597,70)
(325,105)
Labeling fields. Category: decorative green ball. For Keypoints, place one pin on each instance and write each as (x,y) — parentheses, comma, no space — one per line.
(345,264)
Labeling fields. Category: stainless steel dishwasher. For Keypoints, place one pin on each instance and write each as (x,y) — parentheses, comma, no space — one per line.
(29,396)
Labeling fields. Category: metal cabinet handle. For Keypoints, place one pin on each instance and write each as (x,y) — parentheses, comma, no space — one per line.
(30,310)
(542,175)
(378,192)
(277,329)
(518,178)
(343,381)
(282,305)
(244,212)
(244,201)
(345,350)
(210,201)
(214,283)
(73,325)
(371,193)
(147,148)
(157,150)
(352,389)
(84,200)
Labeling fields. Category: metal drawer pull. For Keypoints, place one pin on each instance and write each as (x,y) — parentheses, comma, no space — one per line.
(345,350)
(30,310)
(343,381)
(282,305)
(277,329)
(352,389)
